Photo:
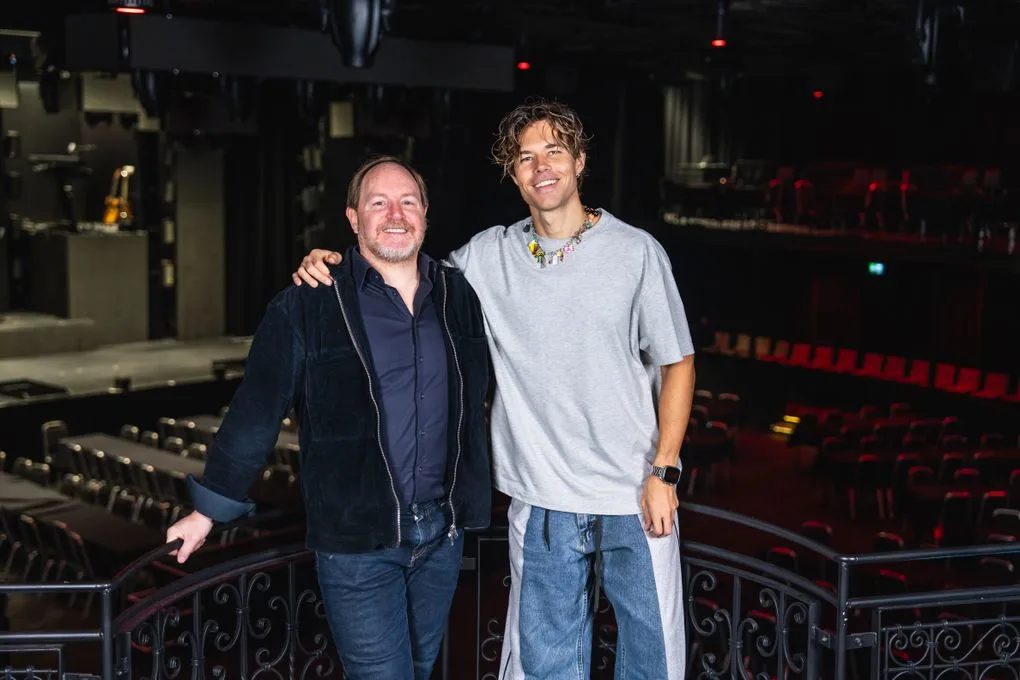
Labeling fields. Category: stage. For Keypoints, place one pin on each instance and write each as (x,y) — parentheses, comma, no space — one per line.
(147,364)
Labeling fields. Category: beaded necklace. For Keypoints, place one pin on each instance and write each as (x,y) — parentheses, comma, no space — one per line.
(543,258)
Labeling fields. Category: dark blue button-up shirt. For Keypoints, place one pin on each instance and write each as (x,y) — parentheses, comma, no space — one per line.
(409,357)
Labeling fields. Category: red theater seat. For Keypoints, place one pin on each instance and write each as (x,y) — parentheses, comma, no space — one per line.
(895,369)
(969,381)
(846,361)
(823,359)
(871,367)
(945,374)
(995,386)
(919,370)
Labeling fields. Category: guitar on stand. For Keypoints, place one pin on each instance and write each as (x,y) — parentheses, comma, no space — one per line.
(119,211)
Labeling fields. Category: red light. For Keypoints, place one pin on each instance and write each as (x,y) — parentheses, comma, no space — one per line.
(718,42)
(523,66)
(130,10)
(817,94)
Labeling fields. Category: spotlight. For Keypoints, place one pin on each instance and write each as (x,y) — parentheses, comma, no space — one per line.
(356,27)
(523,65)
(720,24)
(818,94)
(130,6)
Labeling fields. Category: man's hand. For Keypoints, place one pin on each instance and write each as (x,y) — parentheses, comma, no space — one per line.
(193,530)
(313,269)
(658,507)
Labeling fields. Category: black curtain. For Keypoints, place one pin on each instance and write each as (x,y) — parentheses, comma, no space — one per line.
(265,220)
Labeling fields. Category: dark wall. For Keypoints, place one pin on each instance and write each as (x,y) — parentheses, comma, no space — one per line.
(891,120)
(963,314)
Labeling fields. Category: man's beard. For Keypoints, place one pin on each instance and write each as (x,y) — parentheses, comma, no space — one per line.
(390,254)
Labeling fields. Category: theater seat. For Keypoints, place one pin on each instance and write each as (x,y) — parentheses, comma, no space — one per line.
(968,382)
(846,361)
(919,371)
(945,374)
(995,386)
(800,355)
(779,352)
(895,369)
(871,367)
(823,359)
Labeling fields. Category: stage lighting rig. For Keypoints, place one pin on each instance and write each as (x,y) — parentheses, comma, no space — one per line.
(356,27)
(130,6)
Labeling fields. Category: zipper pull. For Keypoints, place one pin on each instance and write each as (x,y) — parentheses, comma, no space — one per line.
(452,533)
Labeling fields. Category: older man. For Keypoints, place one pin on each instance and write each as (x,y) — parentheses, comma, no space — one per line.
(388,371)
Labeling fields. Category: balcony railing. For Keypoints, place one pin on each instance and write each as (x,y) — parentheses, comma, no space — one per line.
(820,615)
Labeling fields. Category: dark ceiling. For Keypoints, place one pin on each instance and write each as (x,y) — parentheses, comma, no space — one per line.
(815,39)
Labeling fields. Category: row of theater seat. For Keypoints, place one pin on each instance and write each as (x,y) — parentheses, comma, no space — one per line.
(919,372)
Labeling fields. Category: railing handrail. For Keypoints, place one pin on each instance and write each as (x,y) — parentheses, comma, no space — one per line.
(762,525)
(144,561)
(187,585)
(854,559)
(802,584)
(942,598)
(933,553)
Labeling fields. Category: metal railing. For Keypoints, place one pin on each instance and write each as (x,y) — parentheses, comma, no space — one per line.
(822,615)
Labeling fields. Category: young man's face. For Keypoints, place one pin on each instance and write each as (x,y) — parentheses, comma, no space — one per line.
(390,219)
(546,173)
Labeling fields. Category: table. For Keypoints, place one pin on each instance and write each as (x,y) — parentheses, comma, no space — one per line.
(97,527)
(264,492)
(18,494)
(210,424)
(159,459)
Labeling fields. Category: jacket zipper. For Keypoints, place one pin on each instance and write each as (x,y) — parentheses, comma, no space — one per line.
(378,414)
(452,535)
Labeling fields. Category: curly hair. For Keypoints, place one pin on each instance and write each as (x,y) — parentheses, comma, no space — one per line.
(565,123)
(354,188)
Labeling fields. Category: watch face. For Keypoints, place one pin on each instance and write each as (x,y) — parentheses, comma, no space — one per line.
(671,475)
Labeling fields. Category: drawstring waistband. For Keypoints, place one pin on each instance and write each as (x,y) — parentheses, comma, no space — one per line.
(596,573)
(597,567)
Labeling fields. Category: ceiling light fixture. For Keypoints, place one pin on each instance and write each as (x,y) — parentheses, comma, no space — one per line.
(130,6)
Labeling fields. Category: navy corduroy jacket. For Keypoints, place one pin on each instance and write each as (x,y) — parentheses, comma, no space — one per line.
(311,353)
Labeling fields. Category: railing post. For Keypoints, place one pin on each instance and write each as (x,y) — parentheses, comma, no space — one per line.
(123,651)
(842,618)
(814,650)
(106,601)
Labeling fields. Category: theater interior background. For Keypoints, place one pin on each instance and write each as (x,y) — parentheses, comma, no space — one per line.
(836,183)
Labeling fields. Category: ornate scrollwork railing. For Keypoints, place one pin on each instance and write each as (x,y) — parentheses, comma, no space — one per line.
(261,616)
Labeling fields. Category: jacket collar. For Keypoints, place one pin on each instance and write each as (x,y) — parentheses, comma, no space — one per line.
(348,276)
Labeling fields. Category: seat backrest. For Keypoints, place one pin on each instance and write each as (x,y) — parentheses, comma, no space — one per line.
(945,374)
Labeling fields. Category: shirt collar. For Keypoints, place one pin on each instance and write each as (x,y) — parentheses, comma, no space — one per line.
(427,267)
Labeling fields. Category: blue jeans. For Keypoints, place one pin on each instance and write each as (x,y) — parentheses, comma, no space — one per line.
(550,615)
(387,609)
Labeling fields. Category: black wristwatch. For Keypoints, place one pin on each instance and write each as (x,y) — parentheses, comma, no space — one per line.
(667,473)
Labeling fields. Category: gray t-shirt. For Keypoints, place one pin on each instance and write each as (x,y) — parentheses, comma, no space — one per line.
(576,348)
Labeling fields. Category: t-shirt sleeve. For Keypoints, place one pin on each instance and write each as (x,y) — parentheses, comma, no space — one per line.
(663,332)
(460,258)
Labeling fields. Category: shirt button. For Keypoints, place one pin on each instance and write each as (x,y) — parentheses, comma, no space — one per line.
(421,360)
(422,433)
(421,396)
